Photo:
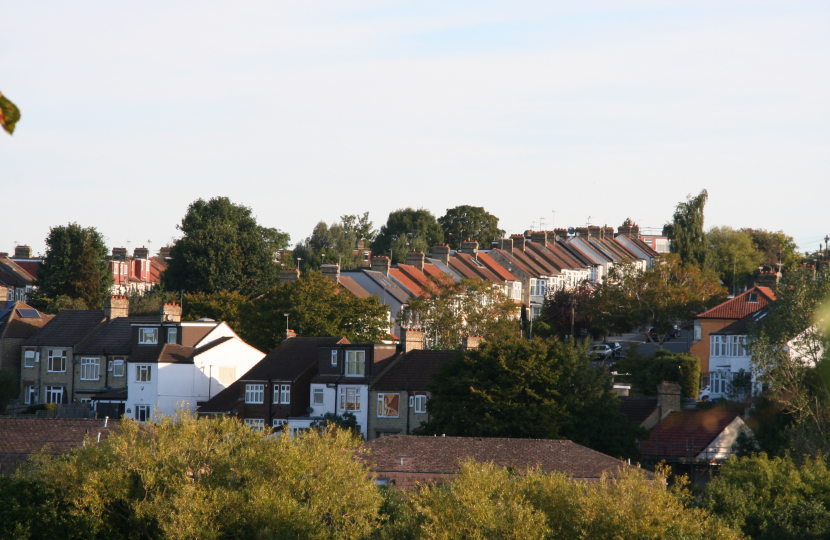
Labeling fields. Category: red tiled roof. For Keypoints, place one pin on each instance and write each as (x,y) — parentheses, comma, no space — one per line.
(495,267)
(441,455)
(404,280)
(686,433)
(739,307)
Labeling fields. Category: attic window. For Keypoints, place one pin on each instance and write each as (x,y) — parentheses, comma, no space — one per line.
(753,297)
(148,336)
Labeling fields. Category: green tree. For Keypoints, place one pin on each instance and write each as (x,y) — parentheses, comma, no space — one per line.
(75,266)
(572,311)
(220,306)
(647,372)
(789,352)
(335,243)
(772,499)
(465,222)
(662,296)
(223,248)
(685,232)
(453,310)
(775,247)
(187,478)
(540,389)
(9,114)
(407,229)
(316,306)
(733,256)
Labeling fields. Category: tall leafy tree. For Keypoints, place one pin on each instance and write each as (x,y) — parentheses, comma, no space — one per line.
(9,114)
(571,311)
(470,223)
(685,232)
(775,247)
(662,296)
(223,248)
(456,309)
(407,229)
(335,243)
(733,256)
(540,389)
(790,350)
(316,306)
(75,267)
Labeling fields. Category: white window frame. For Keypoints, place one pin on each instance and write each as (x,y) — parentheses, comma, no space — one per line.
(171,331)
(344,403)
(90,369)
(143,374)
(109,366)
(255,394)
(27,356)
(318,392)
(285,394)
(30,392)
(118,368)
(52,391)
(56,354)
(148,336)
(356,363)
(420,404)
(142,413)
(334,357)
(382,406)
(257,424)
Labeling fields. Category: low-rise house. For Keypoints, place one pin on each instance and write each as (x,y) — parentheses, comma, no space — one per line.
(18,322)
(277,388)
(138,273)
(629,236)
(377,282)
(16,283)
(175,364)
(398,398)
(50,369)
(721,316)
(404,461)
(22,437)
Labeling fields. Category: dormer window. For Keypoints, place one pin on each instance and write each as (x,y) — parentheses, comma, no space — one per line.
(753,297)
(171,335)
(334,357)
(355,363)
(148,336)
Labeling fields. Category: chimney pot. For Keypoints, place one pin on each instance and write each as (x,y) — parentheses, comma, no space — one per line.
(171,313)
(116,306)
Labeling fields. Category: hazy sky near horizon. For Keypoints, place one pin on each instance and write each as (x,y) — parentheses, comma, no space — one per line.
(305,111)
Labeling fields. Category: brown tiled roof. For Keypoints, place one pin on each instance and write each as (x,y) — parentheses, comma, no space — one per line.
(414,370)
(738,307)
(114,338)
(13,326)
(637,408)
(351,285)
(176,354)
(741,326)
(686,433)
(495,267)
(13,274)
(225,401)
(26,436)
(30,266)
(290,359)
(68,328)
(441,455)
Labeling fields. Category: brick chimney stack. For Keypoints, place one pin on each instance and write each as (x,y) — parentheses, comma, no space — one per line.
(411,340)
(441,252)
(331,271)
(470,247)
(767,277)
(506,244)
(119,254)
(171,313)
(22,252)
(141,253)
(288,334)
(416,259)
(381,264)
(539,237)
(668,398)
(289,275)
(116,306)
(518,242)
(471,342)
(629,231)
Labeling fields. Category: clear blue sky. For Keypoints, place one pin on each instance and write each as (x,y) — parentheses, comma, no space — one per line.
(308,110)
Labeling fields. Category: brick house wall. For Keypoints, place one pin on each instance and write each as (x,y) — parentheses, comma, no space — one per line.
(407,420)
(40,376)
(701,348)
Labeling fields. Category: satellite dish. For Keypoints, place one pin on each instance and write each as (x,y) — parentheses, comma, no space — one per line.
(309,410)
(571,230)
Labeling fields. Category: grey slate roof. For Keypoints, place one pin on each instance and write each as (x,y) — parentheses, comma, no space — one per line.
(114,338)
(414,370)
(69,328)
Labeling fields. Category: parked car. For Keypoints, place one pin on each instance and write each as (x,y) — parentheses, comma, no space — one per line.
(602,351)
(675,332)
(655,335)
(704,394)
(616,348)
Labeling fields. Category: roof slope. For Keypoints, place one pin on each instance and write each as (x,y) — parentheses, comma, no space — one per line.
(740,306)
(68,328)
(414,370)
(637,408)
(13,274)
(686,433)
(114,338)
(741,326)
(351,285)
(416,454)
(25,436)
(14,326)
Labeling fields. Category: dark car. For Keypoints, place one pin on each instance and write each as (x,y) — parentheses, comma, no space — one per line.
(675,332)
(655,335)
